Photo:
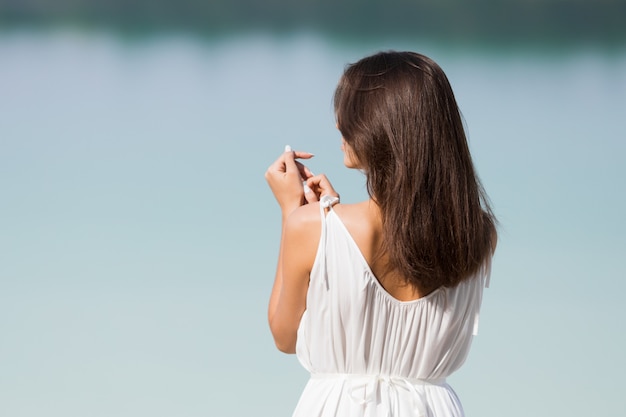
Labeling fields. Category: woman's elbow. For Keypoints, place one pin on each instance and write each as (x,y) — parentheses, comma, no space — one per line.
(285,347)
(285,341)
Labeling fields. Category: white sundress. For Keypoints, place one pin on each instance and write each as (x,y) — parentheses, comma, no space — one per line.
(371,355)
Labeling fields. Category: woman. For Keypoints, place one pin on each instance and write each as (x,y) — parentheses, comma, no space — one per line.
(380,299)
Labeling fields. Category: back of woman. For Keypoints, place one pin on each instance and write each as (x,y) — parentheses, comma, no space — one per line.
(368,352)
(381,299)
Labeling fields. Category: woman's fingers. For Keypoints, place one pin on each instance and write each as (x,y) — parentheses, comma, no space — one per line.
(320,185)
(305,172)
(309,194)
(289,157)
(285,177)
(286,158)
(303,155)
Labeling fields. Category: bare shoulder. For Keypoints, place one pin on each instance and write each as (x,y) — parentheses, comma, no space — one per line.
(363,215)
(364,224)
(305,219)
(302,235)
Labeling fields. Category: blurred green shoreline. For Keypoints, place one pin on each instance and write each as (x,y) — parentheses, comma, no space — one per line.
(547,23)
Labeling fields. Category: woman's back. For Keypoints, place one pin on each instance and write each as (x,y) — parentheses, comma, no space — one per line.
(365,348)
(363,222)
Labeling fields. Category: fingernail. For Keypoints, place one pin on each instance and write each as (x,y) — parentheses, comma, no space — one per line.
(306,188)
(287,148)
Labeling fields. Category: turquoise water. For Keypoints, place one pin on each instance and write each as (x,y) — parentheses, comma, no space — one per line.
(138,237)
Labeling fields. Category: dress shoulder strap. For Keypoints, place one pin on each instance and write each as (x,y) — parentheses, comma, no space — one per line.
(326,202)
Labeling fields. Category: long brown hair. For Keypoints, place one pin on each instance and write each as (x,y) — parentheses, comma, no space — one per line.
(397,112)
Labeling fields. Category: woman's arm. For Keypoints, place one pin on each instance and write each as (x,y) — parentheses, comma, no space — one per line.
(299,241)
(298,244)
(288,297)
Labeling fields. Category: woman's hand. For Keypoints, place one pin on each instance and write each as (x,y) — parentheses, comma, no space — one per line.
(319,186)
(285,177)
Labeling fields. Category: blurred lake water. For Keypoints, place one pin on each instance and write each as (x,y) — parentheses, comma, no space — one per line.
(138,237)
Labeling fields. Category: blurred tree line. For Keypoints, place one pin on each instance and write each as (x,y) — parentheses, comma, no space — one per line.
(524,20)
